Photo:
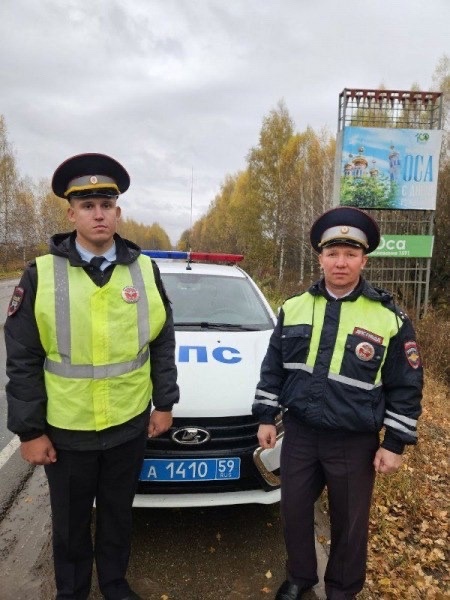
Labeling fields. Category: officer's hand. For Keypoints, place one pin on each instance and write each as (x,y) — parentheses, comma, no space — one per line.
(386,461)
(39,451)
(160,422)
(267,436)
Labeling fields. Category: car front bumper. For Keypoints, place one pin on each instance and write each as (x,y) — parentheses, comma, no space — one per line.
(264,462)
(207,499)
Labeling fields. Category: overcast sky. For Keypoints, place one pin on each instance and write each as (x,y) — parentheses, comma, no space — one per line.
(171,87)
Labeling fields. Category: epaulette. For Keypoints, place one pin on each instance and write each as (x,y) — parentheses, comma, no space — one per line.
(387,299)
(400,313)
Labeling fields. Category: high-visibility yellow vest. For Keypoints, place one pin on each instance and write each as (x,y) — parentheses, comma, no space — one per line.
(369,317)
(97,368)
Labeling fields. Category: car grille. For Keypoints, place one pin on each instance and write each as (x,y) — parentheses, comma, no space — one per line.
(236,434)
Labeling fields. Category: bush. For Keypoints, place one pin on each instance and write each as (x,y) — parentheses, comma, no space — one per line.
(433,334)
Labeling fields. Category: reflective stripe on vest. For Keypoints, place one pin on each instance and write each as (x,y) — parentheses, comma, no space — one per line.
(361,313)
(342,378)
(96,339)
(62,313)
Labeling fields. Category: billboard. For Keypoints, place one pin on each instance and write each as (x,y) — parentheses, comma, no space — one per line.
(387,168)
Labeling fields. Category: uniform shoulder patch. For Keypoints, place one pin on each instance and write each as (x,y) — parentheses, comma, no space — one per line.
(16,301)
(412,354)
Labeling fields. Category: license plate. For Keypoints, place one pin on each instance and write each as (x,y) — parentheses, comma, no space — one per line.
(197,469)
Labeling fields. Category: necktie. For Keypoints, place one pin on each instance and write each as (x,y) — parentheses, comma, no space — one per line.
(97,261)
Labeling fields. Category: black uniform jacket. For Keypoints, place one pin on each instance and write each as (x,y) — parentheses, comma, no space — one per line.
(396,404)
(25,390)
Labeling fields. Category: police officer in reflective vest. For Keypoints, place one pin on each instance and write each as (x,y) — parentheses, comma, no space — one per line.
(342,364)
(90,347)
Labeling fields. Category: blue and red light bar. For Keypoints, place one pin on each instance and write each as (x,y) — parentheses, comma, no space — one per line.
(190,256)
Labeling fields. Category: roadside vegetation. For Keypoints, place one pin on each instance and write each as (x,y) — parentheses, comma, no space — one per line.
(409,545)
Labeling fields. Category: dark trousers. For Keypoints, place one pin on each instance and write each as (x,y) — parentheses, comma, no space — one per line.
(75,480)
(342,461)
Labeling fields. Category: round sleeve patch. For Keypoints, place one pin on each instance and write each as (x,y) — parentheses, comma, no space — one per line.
(412,354)
(16,301)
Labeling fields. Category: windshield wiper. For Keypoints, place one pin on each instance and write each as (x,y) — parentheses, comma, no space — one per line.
(209,325)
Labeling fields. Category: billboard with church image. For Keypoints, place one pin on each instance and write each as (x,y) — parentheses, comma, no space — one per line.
(387,168)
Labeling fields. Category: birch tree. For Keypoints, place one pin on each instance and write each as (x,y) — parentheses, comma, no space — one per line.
(51,215)
(9,184)
(266,166)
(440,265)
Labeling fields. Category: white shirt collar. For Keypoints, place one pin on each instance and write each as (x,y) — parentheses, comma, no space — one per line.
(338,297)
(110,254)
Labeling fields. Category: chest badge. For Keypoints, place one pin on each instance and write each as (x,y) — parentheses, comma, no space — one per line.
(365,351)
(130,294)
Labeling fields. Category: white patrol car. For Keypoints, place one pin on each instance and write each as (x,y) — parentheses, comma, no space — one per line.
(211,454)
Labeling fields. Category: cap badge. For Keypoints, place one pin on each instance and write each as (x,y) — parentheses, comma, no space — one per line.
(345,229)
(93,179)
(130,294)
(365,351)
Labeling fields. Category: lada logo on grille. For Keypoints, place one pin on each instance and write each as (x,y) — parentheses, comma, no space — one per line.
(193,436)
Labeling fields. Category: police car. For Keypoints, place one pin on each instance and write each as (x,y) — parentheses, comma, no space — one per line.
(211,454)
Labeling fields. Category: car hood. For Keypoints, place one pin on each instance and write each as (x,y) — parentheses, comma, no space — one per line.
(218,371)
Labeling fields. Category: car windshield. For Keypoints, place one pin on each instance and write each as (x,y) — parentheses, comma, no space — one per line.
(215,301)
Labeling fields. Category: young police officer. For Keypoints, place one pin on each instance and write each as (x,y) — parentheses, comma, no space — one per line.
(343,361)
(90,341)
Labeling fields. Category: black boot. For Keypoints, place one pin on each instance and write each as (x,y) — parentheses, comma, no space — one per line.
(290,591)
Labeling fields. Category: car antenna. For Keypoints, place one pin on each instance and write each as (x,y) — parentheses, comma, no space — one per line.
(188,265)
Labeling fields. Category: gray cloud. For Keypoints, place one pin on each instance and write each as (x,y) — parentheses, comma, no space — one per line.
(168,86)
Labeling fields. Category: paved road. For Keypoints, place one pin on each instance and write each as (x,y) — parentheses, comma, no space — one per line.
(6,289)
(13,470)
(5,435)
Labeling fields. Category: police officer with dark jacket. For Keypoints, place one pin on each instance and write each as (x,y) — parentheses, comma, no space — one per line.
(90,348)
(342,363)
